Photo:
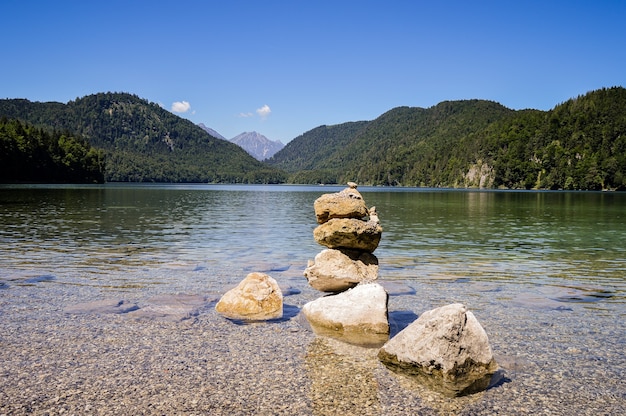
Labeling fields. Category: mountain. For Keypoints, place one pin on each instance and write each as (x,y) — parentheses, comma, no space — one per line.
(578,145)
(399,148)
(211,131)
(257,145)
(143,142)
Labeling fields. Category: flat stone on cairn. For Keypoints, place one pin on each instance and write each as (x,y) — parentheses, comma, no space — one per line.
(339,270)
(257,297)
(349,233)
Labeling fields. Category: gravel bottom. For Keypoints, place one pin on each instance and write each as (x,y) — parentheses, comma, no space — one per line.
(555,361)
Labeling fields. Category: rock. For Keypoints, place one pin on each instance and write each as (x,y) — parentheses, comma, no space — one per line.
(446,348)
(373,216)
(345,204)
(102,306)
(349,233)
(358,315)
(171,308)
(338,270)
(257,297)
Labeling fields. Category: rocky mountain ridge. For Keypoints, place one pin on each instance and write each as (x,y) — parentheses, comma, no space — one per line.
(257,145)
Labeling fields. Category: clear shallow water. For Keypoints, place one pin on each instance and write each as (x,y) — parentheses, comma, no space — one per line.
(568,247)
(544,272)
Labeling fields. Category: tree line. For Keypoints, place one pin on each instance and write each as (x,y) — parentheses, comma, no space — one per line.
(31,154)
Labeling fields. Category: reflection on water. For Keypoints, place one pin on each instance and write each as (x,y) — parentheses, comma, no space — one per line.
(107,230)
(549,238)
(117,234)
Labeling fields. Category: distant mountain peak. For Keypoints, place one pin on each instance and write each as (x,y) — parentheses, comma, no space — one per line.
(211,131)
(257,145)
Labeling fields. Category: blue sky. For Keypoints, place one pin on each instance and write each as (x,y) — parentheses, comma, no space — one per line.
(282,68)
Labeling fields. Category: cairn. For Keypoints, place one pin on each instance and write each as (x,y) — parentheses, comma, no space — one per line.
(351,232)
(357,312)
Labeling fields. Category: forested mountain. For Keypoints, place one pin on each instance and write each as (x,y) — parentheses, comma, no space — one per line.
(29,154)
(580,144)
(305,155)
(144,142)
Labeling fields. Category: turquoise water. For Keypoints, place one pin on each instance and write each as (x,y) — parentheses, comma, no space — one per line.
(544,273)
(571,242)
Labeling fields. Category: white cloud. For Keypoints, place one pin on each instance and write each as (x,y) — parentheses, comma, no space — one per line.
(180,106)
(264,111)
(245,115)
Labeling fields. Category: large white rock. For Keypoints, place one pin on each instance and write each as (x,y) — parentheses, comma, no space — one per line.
(446,348)
(339,270)
(358,315)
(257,297)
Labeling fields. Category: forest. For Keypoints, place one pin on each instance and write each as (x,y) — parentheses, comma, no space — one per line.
(29,154)
(580,144)
(143,142)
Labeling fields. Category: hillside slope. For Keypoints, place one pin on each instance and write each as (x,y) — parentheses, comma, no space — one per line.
(144,142)
(580,144)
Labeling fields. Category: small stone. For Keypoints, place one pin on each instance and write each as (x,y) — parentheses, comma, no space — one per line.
(103,306)
(171,307)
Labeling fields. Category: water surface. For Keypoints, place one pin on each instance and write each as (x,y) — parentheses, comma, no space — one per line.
(544,272)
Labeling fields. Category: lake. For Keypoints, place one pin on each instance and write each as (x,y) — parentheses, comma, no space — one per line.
(544,273)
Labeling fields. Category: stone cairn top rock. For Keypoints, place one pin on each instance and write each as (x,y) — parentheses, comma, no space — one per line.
(345,204)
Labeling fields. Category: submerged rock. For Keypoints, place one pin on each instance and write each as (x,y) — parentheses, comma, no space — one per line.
(350,233)
(102,306)
(257,297)
(171,308)
(446,348)
(358,315)
(339,270)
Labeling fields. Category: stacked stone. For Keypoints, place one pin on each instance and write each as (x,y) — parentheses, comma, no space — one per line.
(351,232)
(357,313)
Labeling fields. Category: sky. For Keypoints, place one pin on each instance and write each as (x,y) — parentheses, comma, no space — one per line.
(282,68)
